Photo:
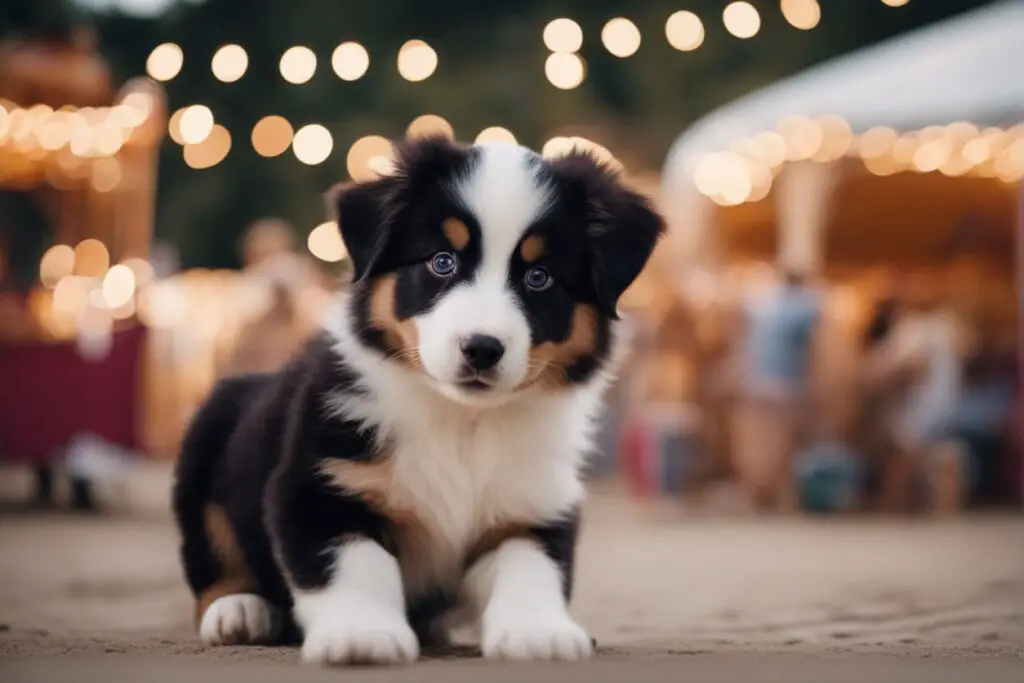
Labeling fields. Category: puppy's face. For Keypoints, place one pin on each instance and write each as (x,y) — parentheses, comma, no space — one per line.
(490,269)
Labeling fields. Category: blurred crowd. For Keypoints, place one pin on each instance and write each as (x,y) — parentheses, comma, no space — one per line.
(897,399)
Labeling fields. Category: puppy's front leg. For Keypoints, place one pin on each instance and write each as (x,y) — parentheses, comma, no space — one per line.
(347,588)
(522,590)
(358,616)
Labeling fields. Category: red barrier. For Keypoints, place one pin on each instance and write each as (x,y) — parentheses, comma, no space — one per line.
(49,393)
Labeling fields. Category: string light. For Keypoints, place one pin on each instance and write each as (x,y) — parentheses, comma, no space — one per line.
(325,243)
(495,134)
(621,37)
(563,35)
(58,262)
(312,144)
(363,151)
(684,31)
(801,14)
(118,286)
(877,142)
(564,70)
(174,126)
(91,258)
(429,124)
(229,63)
(416,61)
(350,61)
(271,136)
(165,62)
(210,151)
(195,124)
(298,64)
(741,19)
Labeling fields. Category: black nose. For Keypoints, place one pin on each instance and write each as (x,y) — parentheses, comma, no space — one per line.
(481,351)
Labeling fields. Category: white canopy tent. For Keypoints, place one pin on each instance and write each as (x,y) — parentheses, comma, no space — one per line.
(967,68)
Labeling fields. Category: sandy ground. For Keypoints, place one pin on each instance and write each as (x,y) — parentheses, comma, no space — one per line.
(666,594)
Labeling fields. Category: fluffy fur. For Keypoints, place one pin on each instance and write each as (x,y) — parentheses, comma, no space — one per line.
(419,461)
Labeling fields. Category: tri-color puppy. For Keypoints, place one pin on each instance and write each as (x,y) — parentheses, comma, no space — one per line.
(419,462)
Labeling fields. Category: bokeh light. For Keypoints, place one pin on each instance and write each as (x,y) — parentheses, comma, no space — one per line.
(118,286)
(58,262)
(325,243)
(91,258)
(429,125)
(271,136)
(350,61)
(71,296)
(495,134)
(298,64)
(229,63)
(165,62)
(895,3)
(563,35)
(621,37)
(196,124)
(312,144)
(684,31)
(174,126)
(802,135)
(416,61)
(801,14)
(211,151)
(564,70)
(362,157)
(741,19)
(142,269)
(876,142)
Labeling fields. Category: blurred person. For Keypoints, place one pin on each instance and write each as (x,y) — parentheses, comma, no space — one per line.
(981,420)
(923,353)
(877,401)
(266,343)
(769,417)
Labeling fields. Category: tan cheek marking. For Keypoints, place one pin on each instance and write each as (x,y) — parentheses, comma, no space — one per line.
(235,576)
(456,232)
(532,248)
(400,335)
(548,361)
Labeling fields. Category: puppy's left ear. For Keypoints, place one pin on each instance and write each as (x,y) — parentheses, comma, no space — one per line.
(360,210)
(623,232)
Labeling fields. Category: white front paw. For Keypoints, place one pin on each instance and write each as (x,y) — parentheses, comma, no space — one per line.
(369,635)
(517,633)
(242,619)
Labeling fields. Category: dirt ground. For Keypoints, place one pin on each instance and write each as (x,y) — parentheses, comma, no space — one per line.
(667,595)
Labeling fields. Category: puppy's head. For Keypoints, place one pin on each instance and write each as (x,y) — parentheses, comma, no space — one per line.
(491,270)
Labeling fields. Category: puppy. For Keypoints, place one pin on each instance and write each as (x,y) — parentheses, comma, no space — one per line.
(419,461)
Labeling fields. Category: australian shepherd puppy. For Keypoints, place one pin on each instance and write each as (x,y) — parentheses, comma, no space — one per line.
(419,461)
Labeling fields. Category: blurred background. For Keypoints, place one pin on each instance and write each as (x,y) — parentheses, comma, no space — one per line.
(831,325)
(816,444)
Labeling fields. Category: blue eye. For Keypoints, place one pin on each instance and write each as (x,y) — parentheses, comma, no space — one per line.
(443,264)
(538,278)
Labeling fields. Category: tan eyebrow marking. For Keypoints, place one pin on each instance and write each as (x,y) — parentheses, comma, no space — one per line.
(532,248)
(456,232)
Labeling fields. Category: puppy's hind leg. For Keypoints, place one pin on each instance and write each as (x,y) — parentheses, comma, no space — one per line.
(230,609)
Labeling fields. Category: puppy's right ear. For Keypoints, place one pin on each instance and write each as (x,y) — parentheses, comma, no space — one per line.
(364,222)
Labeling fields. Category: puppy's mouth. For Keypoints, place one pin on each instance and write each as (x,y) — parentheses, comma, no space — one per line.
(474,384)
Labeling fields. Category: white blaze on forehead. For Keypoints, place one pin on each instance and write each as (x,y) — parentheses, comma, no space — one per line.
(505,195)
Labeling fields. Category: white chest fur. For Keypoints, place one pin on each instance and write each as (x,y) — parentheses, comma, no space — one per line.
(454,474)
